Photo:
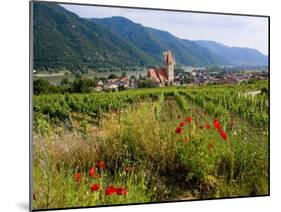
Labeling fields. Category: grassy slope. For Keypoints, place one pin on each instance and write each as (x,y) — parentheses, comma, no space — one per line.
(144,155)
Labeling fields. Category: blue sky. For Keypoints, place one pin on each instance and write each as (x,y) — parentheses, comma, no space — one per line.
(241,31)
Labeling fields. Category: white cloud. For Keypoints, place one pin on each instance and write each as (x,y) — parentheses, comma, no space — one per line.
(243,31)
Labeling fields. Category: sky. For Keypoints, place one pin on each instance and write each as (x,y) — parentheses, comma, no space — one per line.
(239,31)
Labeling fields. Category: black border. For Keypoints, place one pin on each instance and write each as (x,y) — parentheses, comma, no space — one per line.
(30,106)
(127,7)
(268,66)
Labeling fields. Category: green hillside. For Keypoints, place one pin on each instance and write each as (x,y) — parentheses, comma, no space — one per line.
(154,42)
(64,40)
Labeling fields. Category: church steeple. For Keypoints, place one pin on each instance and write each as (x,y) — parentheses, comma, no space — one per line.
(169,63)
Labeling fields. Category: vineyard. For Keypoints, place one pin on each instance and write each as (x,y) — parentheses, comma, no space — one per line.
(150,145)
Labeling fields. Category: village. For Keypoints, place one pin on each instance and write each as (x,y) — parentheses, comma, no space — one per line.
(167,76)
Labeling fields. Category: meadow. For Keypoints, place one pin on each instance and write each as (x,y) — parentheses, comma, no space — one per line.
(150,145)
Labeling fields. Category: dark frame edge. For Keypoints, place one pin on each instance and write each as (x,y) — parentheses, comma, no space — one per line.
(268,66)
(30,105)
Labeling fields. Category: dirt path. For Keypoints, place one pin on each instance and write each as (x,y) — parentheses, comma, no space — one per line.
(169,109)
(251,93)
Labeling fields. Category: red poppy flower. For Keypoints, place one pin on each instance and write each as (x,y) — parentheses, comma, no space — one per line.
(110,190)
(121,191)
(215,120)
(223,135)
(94,187)
(207,126)
(178,130)
(77,176)
(101,165)
(188,119)
(125,192)
(181,124)
(92,172)
(217,124)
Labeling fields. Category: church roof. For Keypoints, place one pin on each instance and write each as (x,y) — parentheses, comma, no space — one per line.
(160,75)
(157,75)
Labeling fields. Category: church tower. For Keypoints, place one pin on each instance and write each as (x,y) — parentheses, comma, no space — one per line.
(169,63)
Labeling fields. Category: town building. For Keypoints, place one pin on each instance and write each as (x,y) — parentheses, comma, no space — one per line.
(165,75)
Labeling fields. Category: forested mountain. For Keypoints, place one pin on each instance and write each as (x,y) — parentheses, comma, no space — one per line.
(64,40)
(154,42)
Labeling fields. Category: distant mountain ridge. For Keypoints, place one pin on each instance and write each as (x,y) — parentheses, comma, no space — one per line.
(154,42)
(64,40)
(235,55)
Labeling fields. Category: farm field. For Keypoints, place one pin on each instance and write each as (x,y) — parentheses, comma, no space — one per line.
(150,145)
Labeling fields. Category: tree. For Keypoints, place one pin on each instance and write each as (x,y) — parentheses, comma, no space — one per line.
(41,86)
(78,75)
(112,76)
(264,91)
(133,77)
(187,80)
(179,70)
(64,81)
(147,84)
(141,77)
(101,78)
(124,74)
(83,85)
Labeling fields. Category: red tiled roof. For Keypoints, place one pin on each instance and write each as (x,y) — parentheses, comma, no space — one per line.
(157,75)
(162,74)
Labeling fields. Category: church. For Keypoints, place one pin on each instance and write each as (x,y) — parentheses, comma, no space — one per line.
(163,76)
